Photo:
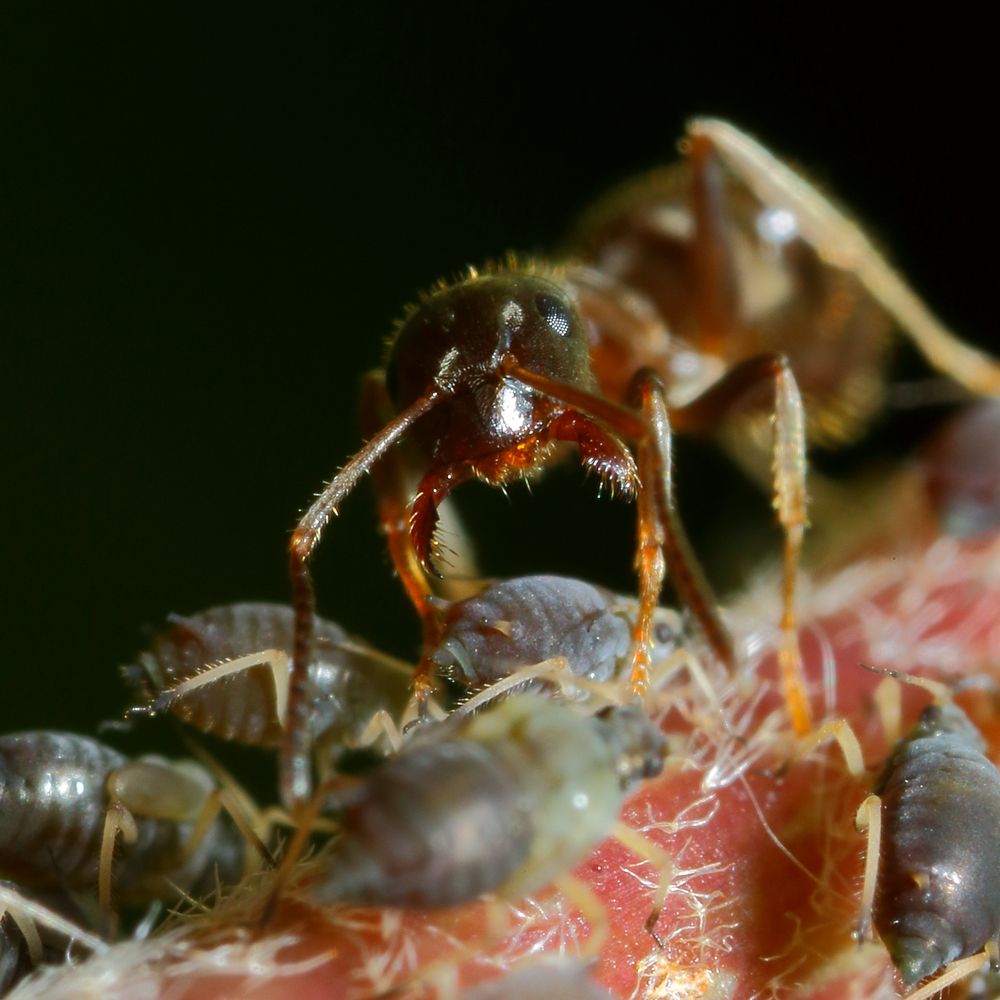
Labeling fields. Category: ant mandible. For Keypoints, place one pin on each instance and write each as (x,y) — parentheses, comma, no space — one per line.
(485,376)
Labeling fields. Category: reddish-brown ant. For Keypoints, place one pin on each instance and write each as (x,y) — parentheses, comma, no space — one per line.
(694,298)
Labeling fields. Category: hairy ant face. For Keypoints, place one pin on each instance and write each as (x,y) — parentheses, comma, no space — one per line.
(460,337)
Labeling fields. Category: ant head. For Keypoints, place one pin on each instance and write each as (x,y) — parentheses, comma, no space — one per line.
(459,335)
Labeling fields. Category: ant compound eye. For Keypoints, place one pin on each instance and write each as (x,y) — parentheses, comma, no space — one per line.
(555,313)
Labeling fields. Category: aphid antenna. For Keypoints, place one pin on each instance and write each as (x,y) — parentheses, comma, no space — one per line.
(941,692)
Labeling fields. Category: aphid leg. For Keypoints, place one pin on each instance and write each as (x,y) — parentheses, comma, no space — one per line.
(652,433)
(953,973)
(381,725)
(117,820)
(296,780)
(841,731)
(24,923)
(888,700)
(788,477)
(557,670)
(276,660)
(589,904)
(840,241)
(25,911)
(939,691)
(659,859)
(869,818)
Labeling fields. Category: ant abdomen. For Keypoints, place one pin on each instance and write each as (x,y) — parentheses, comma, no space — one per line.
(529,619)
(938,896)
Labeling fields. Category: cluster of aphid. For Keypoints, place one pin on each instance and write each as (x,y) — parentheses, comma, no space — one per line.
(537,702)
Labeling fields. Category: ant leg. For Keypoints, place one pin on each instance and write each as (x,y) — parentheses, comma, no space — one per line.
(651,431)
(296,779)
(716,284)
(788,477)
(839,240)
(660,859)
(660,525)
(395,480)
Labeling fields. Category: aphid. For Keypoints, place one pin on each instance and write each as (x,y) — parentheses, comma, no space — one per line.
(937,898)
(932,872)
(485,376)
(225,671)
(70,807)
(505,803)
(527,620)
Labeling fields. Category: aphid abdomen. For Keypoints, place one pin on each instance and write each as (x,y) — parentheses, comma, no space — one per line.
(520,622)
(439,825)
(939,872)
(52,807)
(346,684)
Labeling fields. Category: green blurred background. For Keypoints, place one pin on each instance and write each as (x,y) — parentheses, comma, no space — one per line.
(211,218)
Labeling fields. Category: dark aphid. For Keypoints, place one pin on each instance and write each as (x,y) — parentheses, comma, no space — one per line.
(70,805)
(530,619)
(225,671)
(938,892)
(504,803)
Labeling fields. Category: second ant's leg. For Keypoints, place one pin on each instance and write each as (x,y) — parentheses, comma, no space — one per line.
(663,542)
(789,476)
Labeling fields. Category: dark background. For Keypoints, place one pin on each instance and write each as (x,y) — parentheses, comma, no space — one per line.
(211,219)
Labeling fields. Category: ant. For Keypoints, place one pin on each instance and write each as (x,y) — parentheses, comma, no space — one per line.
(760,282)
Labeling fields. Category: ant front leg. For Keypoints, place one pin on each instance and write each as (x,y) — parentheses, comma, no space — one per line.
(788,477)
(296,778)
(659,524)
